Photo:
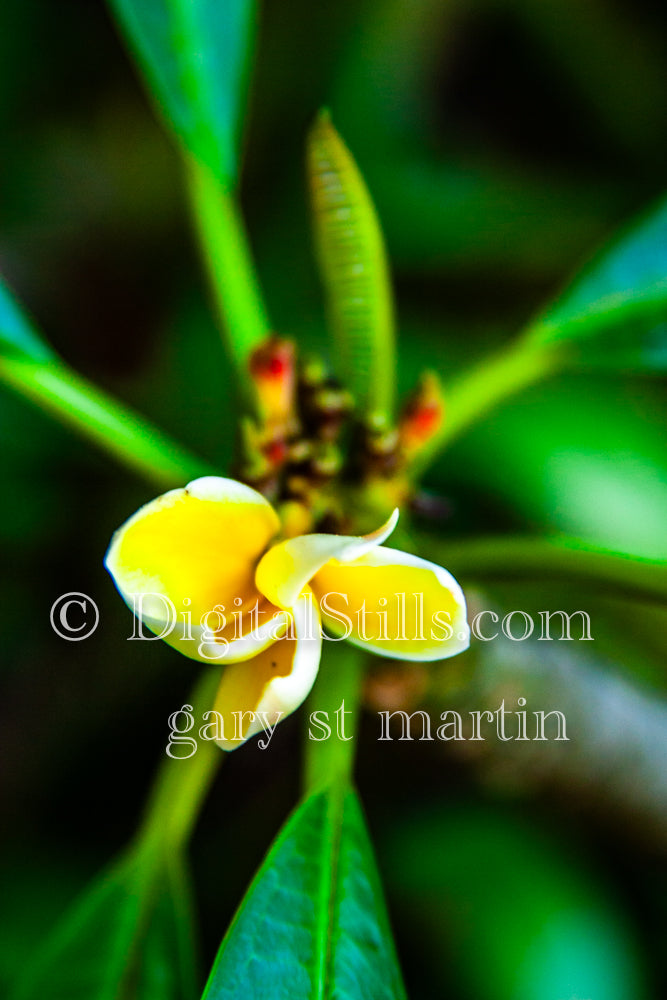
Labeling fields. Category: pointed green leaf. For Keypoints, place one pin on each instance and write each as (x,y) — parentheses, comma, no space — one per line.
(95,415)
(17,334)
(313,923)
(615,314)
(194,55)
(354,269)
(130,937)
(31,368)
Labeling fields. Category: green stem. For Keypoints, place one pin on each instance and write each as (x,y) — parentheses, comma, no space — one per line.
(181,786)
(230,268)
(552,559)
(338,686)
(91,412)
(495,379)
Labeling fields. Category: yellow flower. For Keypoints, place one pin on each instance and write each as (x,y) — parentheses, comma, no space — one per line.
(203,568)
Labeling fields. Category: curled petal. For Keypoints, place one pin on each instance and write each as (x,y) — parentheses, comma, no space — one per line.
(236,642)
(395,604)
(287,567)
(256,695)
(191,551)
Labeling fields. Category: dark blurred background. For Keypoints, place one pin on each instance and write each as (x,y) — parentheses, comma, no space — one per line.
(503,142)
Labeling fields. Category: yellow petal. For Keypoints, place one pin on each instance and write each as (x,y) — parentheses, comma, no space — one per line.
(395,604)
(196,548)
(238,641)
(287,567)
(254,696)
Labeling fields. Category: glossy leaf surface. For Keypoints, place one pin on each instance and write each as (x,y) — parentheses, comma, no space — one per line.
(615,313)
(130,936)
(313,923)
(194,55)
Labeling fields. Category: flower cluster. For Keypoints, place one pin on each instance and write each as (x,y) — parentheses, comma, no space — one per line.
(217,542)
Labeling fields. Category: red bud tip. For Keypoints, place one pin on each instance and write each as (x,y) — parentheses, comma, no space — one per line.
(276,452)
(273,370)
(422,415)
(277,366)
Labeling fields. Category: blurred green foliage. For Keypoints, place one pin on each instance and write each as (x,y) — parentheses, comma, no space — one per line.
(515,912)
(503,144)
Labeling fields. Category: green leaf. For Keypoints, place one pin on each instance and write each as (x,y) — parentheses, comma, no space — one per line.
(130,937)
(17,334)
(615,314)
(31,368)
(354,269)
(195,58)
(595,471)
(115,428)
(194,55)
(313,923)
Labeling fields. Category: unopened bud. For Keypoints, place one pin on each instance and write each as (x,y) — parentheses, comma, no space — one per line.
(326,463)
(272,369)
(324,403)
(422,415)
(255,467)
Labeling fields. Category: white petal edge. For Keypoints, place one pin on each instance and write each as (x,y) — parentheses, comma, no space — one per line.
(287,567)
(213,488)
(210,650)
(155,615)
(223,490)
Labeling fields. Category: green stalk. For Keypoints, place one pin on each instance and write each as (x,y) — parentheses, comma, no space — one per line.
(175,801)
(115,915)
(234,286)
(552,559)
(339,681)
(180,786)
(157,853)
(495,379)
(119,431)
